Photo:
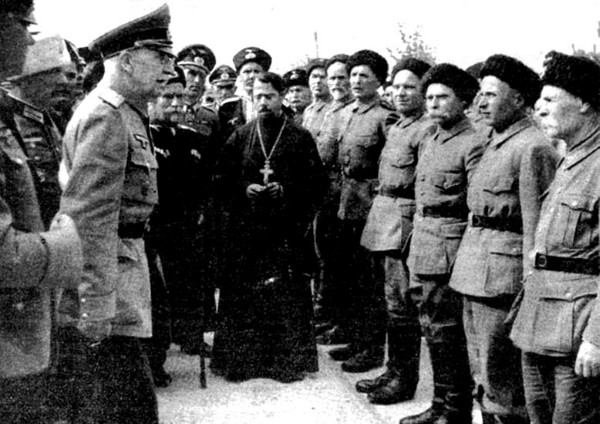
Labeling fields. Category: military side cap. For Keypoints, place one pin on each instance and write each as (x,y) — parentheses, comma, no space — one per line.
(252,54)
(23,9)
(461,82)
(47,53)
(578,75)
(412,64)
(514,73)
(223,75)
(150,31)
(373,60)
(198,56)
(295,77)
(313,64)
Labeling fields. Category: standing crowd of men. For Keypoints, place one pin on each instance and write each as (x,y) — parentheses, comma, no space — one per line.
(322,213)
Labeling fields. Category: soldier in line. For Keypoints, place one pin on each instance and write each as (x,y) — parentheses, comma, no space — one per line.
(37,257)
(331,304)
(557,326)
(447,161)
(314,114)
(387,234)
(236,111)
(296,93)
(223,80)
(363,134)
(111,191)
(504,200)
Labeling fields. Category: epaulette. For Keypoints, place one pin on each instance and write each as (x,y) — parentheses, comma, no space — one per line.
(111,97)
(26,110)
(231,100)
(185,127)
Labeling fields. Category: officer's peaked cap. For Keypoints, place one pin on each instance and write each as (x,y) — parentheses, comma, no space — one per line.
(252,54)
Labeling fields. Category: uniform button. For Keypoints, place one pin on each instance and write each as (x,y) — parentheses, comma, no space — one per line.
(84,315)
(574,203)
(568,295)
(19,161)
(83,300)
(19,306)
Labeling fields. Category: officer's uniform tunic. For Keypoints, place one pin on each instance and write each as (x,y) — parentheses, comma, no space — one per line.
(504,203)
(559,306)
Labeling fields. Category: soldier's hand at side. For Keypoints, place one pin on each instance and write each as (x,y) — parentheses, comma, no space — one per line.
(275,190)
(95,331)
(587,363)
(254,190)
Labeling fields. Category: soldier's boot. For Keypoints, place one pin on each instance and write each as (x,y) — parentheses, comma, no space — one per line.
(404,349)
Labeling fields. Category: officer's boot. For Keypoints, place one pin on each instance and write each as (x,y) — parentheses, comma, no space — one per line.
(404,348)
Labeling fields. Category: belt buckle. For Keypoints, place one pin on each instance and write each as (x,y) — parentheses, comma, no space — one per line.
(541,261)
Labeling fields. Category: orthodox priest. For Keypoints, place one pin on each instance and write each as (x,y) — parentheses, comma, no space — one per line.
(270,178)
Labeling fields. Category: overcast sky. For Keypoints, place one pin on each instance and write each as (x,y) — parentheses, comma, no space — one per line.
(460,31)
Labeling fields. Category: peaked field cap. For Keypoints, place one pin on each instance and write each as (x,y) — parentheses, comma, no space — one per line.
(578,75)
(464,85)
(49,52)
(373,60)
(514,73)
(223,75)
(22,8)
(150,31)
(295,77)
(197,55)
(252,54)
(412,64)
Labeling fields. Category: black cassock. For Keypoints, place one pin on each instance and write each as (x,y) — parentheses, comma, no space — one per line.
(265,306)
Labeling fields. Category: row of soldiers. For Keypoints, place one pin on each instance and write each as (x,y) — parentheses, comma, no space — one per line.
(437,209)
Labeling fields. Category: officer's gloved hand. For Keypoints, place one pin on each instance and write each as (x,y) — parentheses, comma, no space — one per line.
(95,331)
(253,191)
(275,190)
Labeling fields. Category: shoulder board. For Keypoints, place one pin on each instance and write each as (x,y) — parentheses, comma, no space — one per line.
(186,128)
(111,97)
(231,100)
(27,110)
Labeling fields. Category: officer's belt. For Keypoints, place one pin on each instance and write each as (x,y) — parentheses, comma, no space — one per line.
(571,265)
(514,224)
(397,192)
(132,231)
(442,212)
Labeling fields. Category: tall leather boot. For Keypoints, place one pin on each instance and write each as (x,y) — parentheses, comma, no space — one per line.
(404,349)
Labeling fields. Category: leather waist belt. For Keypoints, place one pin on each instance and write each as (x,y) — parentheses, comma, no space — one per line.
(572,265)
(397,192)
(132,231)
(441,212)
(513,225)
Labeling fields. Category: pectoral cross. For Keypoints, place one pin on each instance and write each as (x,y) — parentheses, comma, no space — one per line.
(266,171)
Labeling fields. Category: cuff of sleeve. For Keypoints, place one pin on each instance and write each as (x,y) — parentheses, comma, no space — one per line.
(97,308)
(65,259)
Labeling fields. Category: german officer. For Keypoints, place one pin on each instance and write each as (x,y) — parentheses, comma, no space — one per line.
(296,93)
(387,233)
(504,204)
(331,309)
(111,191)
(317,83)
(558,323)
(223,80)
(36,256)
(366,122)
(447,160)
(236,111)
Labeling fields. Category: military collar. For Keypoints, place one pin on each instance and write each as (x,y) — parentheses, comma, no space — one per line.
(319,105)
(588,145)
(359,107)
(408,121)
(497,139)
(443,135)
(111,97)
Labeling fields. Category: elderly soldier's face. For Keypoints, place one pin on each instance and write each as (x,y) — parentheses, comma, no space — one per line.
(338,81)
(407,93)
(363,82)
(559,112)
(444,107)
(194,81)
(168,107)
(267,100)
(150,71)
(14,40)
(498,102)
(317,82)
(248,72)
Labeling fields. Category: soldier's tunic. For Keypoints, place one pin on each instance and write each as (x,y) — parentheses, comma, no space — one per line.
(504,200)
(362,137)
(110,193)
(559,307)
(445,167)
(314,116)
(32,263)
(233,113)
